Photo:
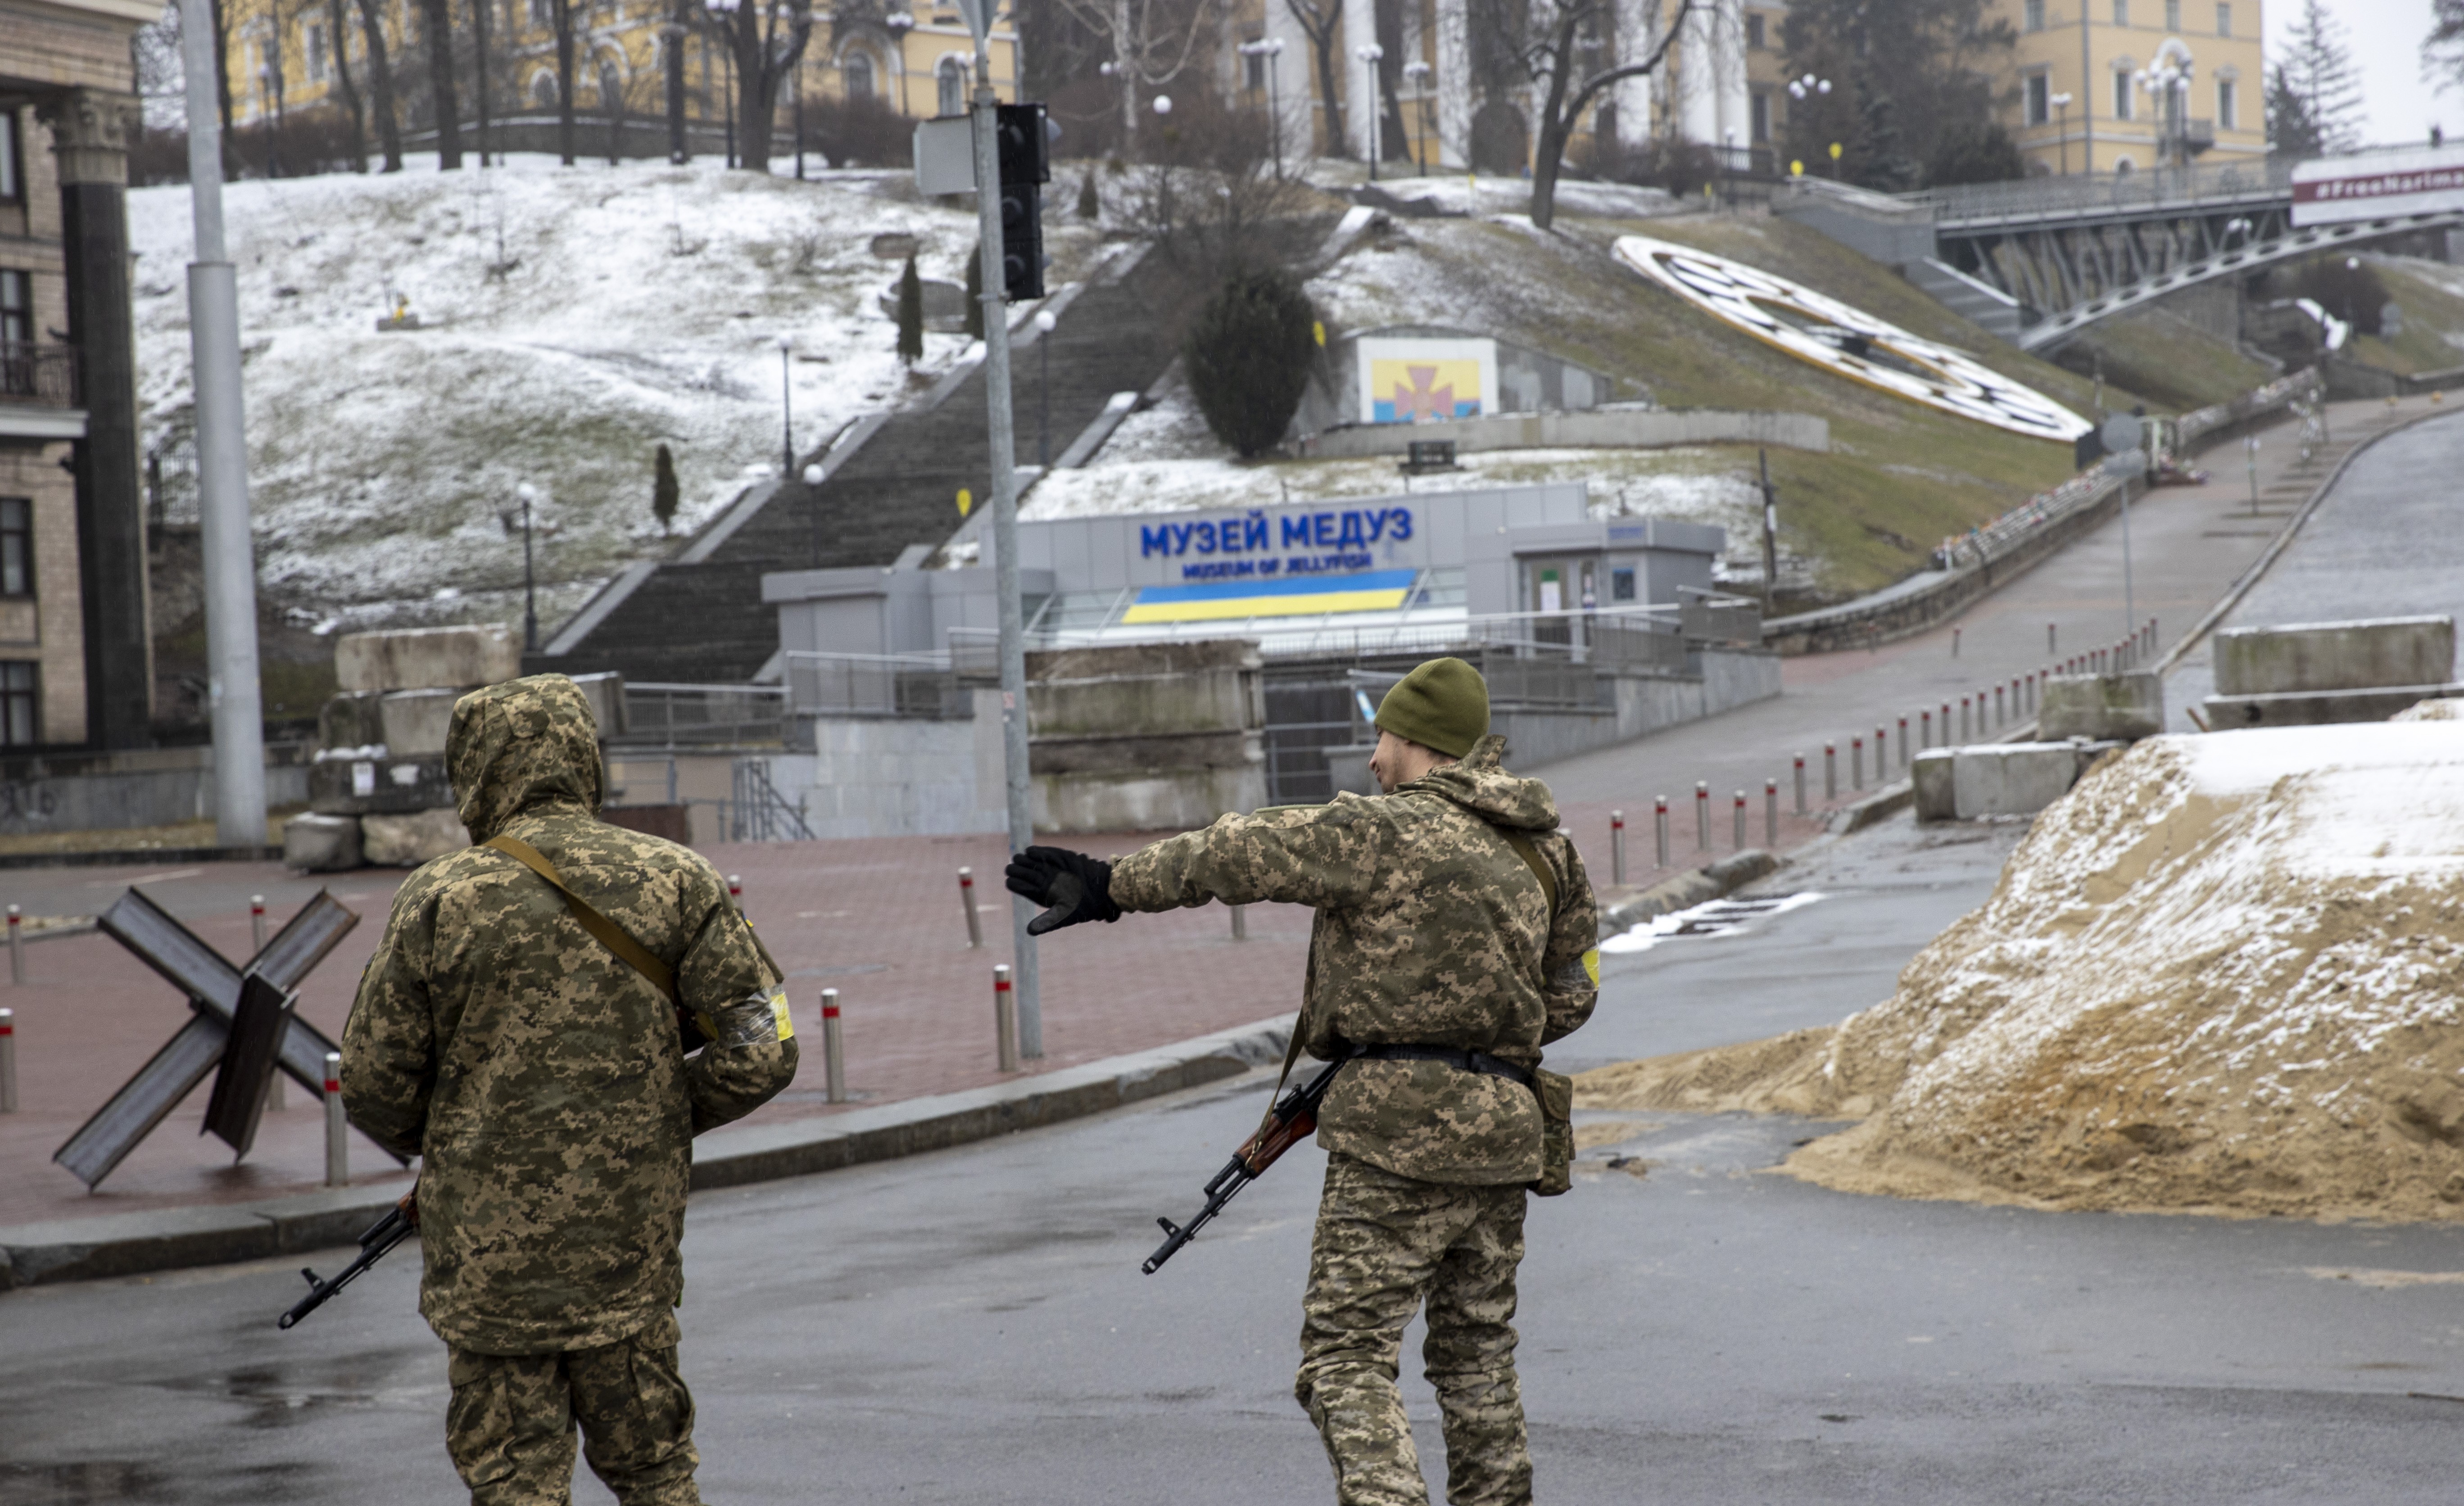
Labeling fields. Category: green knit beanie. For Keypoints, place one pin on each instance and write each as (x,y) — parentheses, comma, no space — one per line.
(1443,704)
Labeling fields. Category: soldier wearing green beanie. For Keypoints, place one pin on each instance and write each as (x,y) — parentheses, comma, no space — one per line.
(1456,936)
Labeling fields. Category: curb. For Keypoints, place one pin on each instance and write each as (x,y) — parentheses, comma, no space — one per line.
(128,1244)
(1879,806)
(128,857)
(1686,890)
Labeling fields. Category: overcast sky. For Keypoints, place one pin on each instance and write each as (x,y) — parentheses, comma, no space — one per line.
(2398,104)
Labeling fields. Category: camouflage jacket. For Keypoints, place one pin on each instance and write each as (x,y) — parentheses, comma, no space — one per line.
(539,1077)
(1431,931)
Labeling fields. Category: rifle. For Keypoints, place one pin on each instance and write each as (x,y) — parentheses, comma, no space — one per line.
(1291,1122)
(400,1222)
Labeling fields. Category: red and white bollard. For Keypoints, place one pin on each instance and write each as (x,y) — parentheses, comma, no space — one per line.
(833,1057)
(1741,821)
(1830,773)
(17,946)
(1800,784)
(7,1061)
(967,897)
(256,923)
(1771,812)
(1617,847)
(1702,816)
(338,1128)
(736,892)
(1005,1019)
(1857,763)
(1903,744)
(1659,825)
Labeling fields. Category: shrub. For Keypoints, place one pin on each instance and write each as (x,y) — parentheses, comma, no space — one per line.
(1248,357)
(663,487)
(911,314)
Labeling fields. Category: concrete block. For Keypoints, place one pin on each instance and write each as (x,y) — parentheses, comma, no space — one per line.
(2127,707)
(1933,773)
(2011,778)
(1348,769)
(425,658)
(405,841)
(351,719)
(378,786)
(2335,656)
(321,844)
(414,722)
(606,693)
(2316,707)
(1130,802)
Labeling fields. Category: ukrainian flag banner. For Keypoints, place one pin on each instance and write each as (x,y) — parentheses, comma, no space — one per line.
(1216,600)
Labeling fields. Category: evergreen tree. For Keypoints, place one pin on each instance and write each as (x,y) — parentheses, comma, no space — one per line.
(1975,154)
(2291,129)
(663,487)
(976,292)
(2318,67)
(1248,357)
(911,314)
(2445,50)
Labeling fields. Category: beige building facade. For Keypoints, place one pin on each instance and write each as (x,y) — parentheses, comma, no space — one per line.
(2078,102)
(75,653)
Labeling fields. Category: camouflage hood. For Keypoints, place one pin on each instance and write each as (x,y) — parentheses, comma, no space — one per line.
(520,745)
(1480,785)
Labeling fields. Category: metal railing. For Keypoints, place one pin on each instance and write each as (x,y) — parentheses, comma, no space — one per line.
(663,715)
(876,685)
(2213,187)
(1640,637)
(756,811)
(44,375)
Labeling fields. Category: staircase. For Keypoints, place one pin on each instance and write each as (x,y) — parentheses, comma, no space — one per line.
(698,617)
(1976,301)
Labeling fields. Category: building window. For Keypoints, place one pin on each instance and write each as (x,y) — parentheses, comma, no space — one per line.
(2225,115)
(1754,32)
(16,308)
(951,76)
(2121,12)
(2224,20)
(1759,114)
(2172,16)
(16,547)
(2040,96)
(2034,15)
(12,177)
(856,76)
(1253,70)
(314,46)
(17,695)
(2120,96)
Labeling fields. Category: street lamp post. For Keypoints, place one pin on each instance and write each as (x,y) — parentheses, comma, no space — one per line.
(1369,54)
(1419,70)
(1810,87)
(798,82)
(901,23)
(723,11)
(2061,103)
(528,494)
(813,478)
(787,406)
(1043,326)
(1271,48)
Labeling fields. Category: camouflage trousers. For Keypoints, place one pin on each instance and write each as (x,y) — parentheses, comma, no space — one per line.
(510,1424)
(1385,1244)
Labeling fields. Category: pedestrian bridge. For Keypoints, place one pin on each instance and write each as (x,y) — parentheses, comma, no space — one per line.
(2037,260)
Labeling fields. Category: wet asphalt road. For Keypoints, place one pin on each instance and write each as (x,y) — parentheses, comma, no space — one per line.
(971,1327)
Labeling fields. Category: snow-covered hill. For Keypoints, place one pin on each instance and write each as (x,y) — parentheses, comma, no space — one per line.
(571,320)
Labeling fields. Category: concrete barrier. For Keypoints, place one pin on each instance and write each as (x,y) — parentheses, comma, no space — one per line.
(419,658)
(2099,707)
(405,841)
(413,722)
(1959,784)
(2336,656)
(2318,708)
(321,844)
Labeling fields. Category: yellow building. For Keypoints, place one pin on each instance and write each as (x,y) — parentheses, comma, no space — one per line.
(919,63)
(2080,100)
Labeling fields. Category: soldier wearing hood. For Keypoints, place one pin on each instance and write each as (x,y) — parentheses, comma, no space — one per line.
(544,1082)
(1454,936)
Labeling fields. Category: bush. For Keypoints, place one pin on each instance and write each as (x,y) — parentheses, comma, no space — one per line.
(1674,164)
(663,487)
(1975,154)
(861,133)
(1249,355)
(911,314)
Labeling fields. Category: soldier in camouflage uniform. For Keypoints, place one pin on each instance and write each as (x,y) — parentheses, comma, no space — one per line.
(543,1082)
(1439,962)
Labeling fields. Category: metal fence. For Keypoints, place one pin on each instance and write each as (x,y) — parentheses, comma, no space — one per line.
(662,715)
(876,685)
(2154,189)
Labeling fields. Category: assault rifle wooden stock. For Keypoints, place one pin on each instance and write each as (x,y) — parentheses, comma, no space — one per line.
(400,1222)
(1291,1122)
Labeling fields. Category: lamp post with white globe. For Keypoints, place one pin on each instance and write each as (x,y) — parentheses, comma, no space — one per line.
(1271,48)
(1420,72)
(1370,54)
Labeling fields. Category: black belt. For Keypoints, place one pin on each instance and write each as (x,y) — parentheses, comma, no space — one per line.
(1457,1056)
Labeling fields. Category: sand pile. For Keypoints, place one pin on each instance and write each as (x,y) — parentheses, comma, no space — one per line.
(2226,973)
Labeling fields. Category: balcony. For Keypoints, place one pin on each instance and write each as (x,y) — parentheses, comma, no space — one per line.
(38,392)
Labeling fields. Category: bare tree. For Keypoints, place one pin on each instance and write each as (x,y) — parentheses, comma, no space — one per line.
(479,60)
(768,40)
(1153,42)
(380,84)
(436,21)
(561,16)
(1320,20)
(338,21)
(1556,50)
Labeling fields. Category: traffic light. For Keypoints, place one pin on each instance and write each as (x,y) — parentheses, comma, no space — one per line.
(1023,146)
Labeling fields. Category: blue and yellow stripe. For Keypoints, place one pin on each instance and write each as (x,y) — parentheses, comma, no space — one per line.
(1215,601)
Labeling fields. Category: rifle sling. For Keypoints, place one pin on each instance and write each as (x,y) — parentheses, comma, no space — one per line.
(610,935)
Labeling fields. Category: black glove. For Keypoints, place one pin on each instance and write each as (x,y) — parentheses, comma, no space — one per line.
(1074,886)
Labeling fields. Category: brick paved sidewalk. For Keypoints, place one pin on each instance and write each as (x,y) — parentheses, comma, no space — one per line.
(878,920)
